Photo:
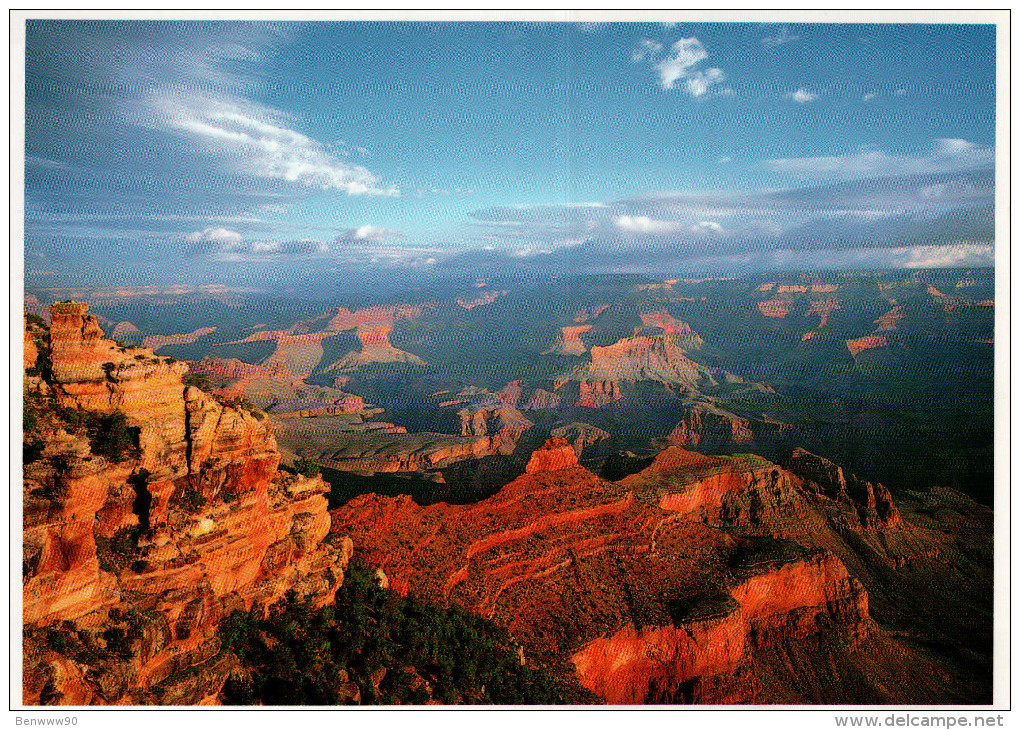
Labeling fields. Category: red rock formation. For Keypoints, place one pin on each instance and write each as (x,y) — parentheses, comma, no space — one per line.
(680,332)
(569,341)
(198,523)
(823,308)
(635,666)
(776,308)
(632,359)
(31,350)
(866,343)
(706,427)
(541,399)
(581,435)
(597,393)
(889,321)
(555,454)
(392,452)
(154,342)
(232,369)
(492,417)
(641,584)
(873,503)
(697,658)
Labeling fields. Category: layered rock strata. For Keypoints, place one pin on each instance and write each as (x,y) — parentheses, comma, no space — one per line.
(132,559)
(668,586)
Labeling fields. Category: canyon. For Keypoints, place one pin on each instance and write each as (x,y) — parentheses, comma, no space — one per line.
(620,482)
(688,581)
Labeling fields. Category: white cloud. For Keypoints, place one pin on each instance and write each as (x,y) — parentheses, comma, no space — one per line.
(683,56)
(707,227)
(961,254)
(256,140)
(900,92)
(646,49)
(680,64)
(782,37)
(644,224)
(946,155)
(724,159)
(956,148)
(868,97)
(700,82)
(214,235)
(801,96)
(267,250)
(368,233)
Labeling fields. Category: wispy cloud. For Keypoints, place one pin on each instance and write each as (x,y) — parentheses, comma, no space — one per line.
(962,254)
(672,227)
(255,251)
(680,64)
(367,234)
(253,139)
(945,155)
(801,96)
(646,49)
(781,38)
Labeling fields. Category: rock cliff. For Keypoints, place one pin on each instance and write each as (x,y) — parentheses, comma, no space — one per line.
(690,581)
(151,511)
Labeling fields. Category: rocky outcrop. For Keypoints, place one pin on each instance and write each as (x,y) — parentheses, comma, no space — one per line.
(553,455)
(569,341)
(642,358)
(372,326)
(678,331)
(393,452)
(598,393)
(132,559)
(582,436)
(872,502)
(497,418)
(870,342)
(702,655)
(650,356)
(154,342)
(677,584)
(706,427)
(775,308)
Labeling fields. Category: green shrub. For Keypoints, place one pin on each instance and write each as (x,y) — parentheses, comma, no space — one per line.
(296,655)
(200,381)
(113,438)
(35,319)
(191,500)
(306,468)
(118,552)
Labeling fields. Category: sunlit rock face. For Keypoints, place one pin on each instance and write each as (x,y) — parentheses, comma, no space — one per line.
(685,582)
(163,541)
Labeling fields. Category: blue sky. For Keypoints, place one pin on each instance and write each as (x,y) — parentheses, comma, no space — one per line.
(206,152)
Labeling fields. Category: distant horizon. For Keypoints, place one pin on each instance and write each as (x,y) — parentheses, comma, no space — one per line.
(278,153)
(466,283)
